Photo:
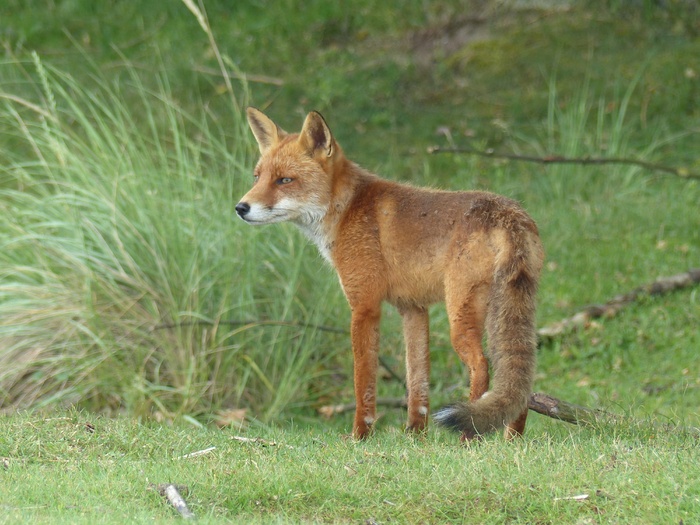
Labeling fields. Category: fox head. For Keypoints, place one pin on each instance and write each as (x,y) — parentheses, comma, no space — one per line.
(293,178)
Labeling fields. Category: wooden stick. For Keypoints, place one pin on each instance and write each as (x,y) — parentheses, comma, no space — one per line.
(197,453)
(328,411)
(248,77)
(609,309)
(579,415)
(172,492)
(558,159)
(543,404)
(557,409)
(248,324)
(661,286)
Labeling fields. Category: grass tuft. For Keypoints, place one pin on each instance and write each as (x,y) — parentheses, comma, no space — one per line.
(122,266)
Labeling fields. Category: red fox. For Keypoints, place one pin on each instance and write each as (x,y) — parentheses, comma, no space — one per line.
(477,252)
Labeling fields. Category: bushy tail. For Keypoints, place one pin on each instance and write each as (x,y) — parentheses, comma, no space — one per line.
(512,339)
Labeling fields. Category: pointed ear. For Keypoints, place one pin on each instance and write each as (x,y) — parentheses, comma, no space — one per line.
(316,135)
(266,132)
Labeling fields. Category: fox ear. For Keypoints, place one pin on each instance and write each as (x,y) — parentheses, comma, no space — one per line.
(266,132)
(316,135)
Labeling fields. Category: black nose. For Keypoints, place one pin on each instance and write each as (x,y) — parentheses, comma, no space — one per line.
(242,209)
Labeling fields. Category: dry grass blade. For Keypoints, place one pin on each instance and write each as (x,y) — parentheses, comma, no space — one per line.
(201,16)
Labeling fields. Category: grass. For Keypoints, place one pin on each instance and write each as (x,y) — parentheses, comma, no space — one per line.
(128,289)
(123,287)
(295,474)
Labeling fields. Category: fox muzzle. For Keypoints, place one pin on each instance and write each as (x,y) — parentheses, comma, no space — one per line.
(242,209)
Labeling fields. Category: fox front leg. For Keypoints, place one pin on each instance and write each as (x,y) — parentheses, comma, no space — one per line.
(365,346)
(415,333)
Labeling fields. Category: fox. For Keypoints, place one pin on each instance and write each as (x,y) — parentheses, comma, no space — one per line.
(477,252)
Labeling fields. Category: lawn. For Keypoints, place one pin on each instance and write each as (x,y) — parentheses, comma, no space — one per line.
(74,467)
(131,298)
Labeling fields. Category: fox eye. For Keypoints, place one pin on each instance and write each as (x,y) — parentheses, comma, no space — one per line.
(284,180)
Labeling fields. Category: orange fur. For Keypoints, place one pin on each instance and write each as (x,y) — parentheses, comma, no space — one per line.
(478,252)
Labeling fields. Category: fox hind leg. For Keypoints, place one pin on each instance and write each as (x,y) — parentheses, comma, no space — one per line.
(516,428)
(467,318)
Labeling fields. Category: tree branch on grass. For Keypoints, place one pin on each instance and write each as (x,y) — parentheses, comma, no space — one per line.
(661,286)
(549,406)
(558,159)
(328,411)
(248,77)
(543,404)
(248,324)
(172,493)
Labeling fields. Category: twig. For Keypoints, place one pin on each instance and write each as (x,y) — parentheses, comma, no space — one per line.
(557,409)
(197,453)
(249,77)
(661,286)
(396,377)
(259,441)
(549,406)
(328,411)
(154,29)
(543,404)
(251,324)
(578,497)
(538,402)
(558,159)
(172,492)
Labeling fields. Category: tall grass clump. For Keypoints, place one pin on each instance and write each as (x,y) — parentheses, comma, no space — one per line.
(126,284)
(587,125)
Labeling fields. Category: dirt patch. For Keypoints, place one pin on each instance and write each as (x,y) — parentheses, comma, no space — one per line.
(482,20)
(434,43)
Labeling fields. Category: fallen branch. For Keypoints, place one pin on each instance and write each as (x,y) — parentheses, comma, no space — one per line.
(558,159)
(259,441)
(248,324)
(543,404)
(197,453)
(172,492)
(328,411)
(538,402)
(661,286)
(248,77)
(549,406)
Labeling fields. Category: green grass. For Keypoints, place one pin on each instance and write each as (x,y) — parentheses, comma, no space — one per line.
(58,471)
(123,283)
(129,289)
